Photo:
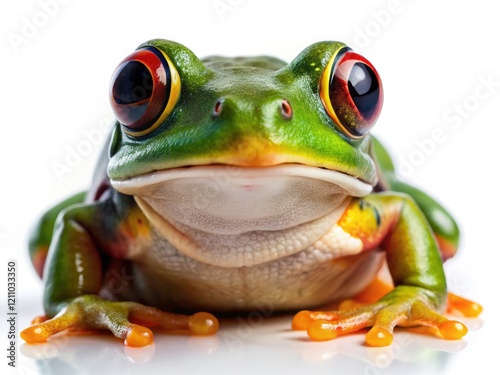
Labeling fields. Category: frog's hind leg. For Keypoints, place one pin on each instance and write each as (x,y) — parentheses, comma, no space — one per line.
(446,233)
(442,223)
(41,233)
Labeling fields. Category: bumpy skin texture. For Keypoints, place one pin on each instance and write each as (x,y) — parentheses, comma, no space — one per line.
(123,247)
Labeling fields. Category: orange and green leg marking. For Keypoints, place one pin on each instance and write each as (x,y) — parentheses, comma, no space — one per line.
(396,224)
(74,277)
(326,325)
(126,320)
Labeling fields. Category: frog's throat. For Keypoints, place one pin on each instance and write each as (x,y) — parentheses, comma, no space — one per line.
(231,216)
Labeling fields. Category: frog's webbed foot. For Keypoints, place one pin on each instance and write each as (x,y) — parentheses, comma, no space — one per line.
(126,320)
(404,306)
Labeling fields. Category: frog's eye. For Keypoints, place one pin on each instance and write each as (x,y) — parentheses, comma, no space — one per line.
(351,92)
(144,90)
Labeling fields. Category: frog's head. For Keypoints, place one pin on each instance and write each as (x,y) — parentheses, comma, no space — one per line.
(231,145)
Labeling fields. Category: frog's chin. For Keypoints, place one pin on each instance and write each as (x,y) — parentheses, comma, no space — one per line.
(215,204)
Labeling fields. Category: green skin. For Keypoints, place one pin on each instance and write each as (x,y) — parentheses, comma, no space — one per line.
(87,235)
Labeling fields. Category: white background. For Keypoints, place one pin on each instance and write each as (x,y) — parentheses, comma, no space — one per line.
(434,58)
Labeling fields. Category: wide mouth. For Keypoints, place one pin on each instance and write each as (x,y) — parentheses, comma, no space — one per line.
(229,216)
(225,199)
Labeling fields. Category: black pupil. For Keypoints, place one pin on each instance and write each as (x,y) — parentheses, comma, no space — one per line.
(364,89)
(133,88)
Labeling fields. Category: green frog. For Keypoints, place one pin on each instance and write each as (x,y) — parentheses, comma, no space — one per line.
(229,184)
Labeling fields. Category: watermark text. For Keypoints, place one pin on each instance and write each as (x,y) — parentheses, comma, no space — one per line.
(32,25)
(11,313)
(453,119)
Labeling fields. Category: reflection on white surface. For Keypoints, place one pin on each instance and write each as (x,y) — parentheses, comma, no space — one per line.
(241,347)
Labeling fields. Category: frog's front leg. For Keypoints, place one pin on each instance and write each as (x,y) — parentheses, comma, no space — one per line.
(74,278)
(395,224)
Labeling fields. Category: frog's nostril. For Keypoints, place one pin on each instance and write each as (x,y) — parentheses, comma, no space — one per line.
(286,109)
(217,107)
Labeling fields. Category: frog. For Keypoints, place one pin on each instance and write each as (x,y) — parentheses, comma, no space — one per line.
(232,183)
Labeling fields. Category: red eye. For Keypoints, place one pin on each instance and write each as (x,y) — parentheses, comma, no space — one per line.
(352,93)
(144,90)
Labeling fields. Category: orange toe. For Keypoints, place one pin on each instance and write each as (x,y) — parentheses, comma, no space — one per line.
(321,330)
(139,336)
(378,336)
(452,330)
(302,320)
(467,307)
(203,323)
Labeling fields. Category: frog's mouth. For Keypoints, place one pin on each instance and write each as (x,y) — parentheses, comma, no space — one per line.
(217,204)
